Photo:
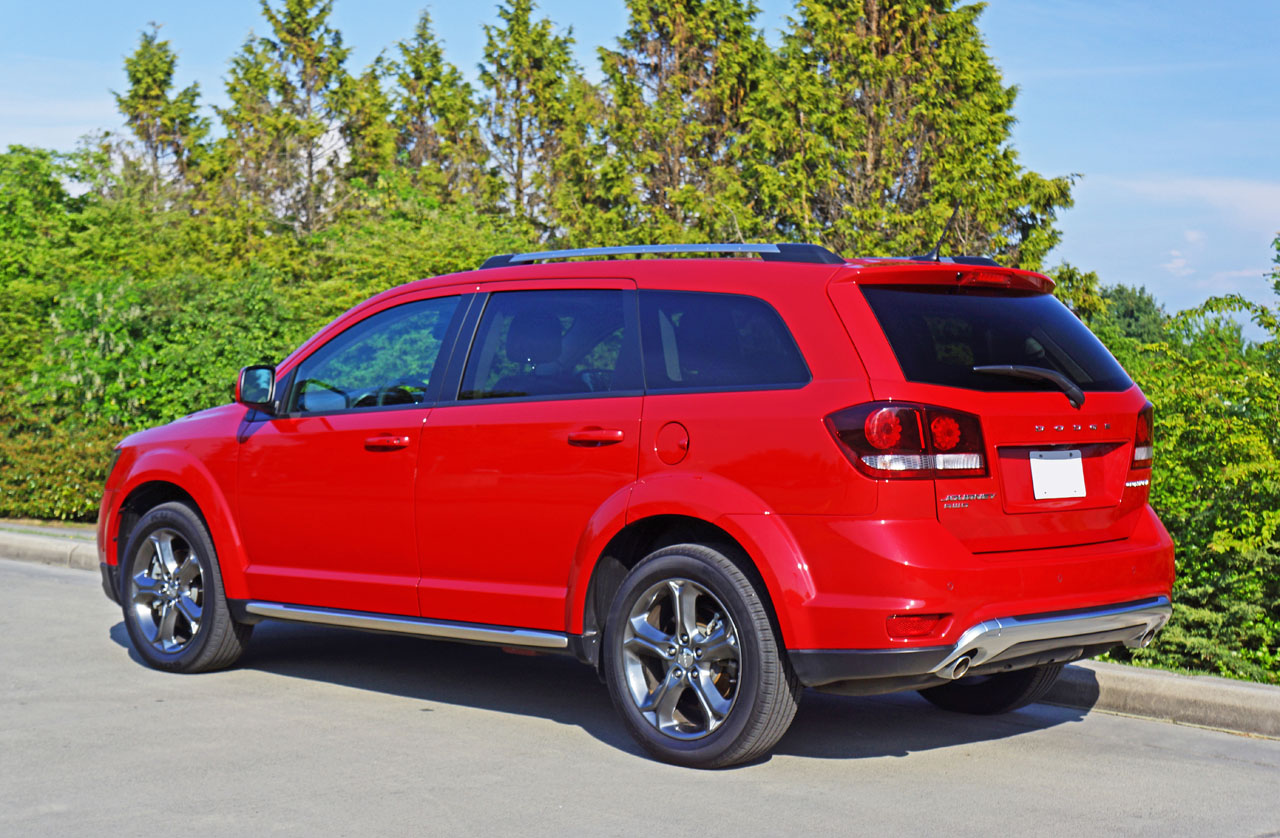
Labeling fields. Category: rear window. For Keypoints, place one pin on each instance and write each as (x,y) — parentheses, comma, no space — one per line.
(940,335)
(704,341)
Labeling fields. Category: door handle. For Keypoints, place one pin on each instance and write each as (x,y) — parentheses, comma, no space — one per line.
(594,437)
(386,442)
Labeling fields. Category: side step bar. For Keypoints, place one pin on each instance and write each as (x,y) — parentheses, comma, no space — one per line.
(464,632)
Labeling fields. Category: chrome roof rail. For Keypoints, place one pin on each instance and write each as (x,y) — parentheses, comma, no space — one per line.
(810,253)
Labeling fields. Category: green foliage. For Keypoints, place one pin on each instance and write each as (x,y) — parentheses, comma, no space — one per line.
(527,73)
(680,84)
(168,125)
(1216,483)
(881,118)
(436,122)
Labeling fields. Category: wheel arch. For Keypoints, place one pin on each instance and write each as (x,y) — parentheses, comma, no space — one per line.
(757,543)
(163,476)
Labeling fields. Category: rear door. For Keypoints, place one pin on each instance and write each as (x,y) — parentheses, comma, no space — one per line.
(540,428)
(1057,474)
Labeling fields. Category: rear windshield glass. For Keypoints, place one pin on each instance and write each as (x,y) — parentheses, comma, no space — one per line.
(940,335)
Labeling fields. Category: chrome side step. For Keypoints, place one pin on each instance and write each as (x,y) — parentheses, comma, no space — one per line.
(464,632)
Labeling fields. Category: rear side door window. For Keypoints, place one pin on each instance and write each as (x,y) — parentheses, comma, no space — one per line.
(554,344)
(387,359)
(705,341)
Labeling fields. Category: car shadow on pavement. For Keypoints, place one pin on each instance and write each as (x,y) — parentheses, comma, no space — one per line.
(558,688)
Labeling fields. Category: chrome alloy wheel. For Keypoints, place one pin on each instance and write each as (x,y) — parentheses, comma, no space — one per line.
(681,658)
(167,590)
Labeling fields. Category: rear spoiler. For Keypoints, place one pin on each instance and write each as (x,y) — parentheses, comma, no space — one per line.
(897,272)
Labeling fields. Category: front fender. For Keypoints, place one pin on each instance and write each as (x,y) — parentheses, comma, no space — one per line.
(171,465)
(752,524)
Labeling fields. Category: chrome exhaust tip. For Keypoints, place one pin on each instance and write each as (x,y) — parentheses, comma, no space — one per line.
(957,669)
(1144,641)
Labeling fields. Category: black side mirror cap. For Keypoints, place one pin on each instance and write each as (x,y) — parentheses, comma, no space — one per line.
(256,388)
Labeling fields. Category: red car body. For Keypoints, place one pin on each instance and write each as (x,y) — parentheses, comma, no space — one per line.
(504,512)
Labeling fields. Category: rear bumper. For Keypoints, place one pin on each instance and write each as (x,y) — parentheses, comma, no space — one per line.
(864,571)
(996,645)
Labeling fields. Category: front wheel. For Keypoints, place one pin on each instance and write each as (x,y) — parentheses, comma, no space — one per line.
(171,593)
(693,663)
(987,695)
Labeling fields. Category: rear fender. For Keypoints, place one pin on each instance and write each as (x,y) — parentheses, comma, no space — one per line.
(760,533)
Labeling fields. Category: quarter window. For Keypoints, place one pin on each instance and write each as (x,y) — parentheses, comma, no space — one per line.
(553,343)
(703,341)
(386,359)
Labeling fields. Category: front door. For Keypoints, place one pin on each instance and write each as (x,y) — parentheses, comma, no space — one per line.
(544,429)
(325,490)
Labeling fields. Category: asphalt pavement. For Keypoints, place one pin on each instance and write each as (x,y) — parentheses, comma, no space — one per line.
(327,732)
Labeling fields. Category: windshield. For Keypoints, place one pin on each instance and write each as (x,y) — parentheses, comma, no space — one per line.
(940,334)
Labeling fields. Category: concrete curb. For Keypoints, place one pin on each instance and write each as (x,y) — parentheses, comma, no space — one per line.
(1237,706)
(60,546)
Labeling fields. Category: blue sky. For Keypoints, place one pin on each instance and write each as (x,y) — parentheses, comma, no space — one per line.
(1170,111)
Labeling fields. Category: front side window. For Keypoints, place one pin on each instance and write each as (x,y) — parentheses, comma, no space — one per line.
(386,359)
(552,343)
(706,341)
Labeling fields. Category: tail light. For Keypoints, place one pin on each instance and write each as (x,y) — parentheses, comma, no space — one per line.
(902,440)
(1144,439)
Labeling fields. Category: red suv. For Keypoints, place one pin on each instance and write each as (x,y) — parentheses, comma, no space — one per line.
(716,480)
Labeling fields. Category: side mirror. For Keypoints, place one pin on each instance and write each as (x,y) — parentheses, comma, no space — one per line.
(256,388)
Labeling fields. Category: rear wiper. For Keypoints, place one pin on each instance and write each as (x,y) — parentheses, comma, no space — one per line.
(1074,394)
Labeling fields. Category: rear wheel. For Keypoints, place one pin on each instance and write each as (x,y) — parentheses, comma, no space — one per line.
(693,663)
(987,695)
(171,593)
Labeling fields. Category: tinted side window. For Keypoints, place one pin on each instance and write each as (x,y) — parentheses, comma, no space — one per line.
(552,343)
(700,341)
(940,334)
(386,359)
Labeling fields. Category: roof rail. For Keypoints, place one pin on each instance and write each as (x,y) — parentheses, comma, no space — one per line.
(809,253)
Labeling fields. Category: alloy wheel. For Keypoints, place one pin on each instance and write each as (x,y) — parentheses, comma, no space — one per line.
(167,590)
(681,659)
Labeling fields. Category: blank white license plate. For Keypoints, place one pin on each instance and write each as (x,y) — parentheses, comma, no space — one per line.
(1057,474)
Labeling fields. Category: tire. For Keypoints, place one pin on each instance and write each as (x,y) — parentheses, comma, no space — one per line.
(717,693)
(171,594)
(987,695)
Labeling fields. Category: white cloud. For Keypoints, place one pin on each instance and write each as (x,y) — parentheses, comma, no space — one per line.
(1243,281)
(1194,236)
(1253,204)
(1177,264)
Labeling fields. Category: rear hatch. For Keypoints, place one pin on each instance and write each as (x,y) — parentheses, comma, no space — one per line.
(1058,416)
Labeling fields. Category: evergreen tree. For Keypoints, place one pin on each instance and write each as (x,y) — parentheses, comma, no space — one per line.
(311,55)
(680,84)
(168,125)
(367,133)
(883,117)
(528,74)
(437,120)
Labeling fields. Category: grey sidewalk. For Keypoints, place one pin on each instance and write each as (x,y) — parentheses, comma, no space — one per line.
(1221,703)
(65,545)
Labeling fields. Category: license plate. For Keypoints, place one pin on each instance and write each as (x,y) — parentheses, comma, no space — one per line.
(1057,474)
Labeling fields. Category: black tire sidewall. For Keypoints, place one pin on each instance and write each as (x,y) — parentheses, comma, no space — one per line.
(683,563)
(182,519)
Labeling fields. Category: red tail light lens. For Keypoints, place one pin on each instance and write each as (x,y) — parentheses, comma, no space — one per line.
(897,439)
(1144,439)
